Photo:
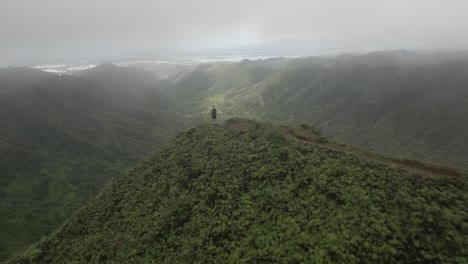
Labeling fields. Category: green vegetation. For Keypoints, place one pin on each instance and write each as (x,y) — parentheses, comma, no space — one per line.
(394,103)
(62,138)
(249,192)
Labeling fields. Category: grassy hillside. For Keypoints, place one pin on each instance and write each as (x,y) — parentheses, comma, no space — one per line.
(62,138)
(256,193)
(396,103)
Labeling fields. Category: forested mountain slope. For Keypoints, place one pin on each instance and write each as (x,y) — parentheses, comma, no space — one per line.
(250,192)
(396,103)
(16,79)
(63,137)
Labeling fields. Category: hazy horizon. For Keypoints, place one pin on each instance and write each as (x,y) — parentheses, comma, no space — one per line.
(52,29)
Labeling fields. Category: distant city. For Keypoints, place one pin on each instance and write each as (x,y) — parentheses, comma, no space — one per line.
(71,65)
(149,61)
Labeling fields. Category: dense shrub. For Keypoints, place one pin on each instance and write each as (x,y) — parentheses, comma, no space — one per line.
(215,195)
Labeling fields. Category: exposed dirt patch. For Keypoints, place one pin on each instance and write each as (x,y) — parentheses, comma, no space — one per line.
(239,126)
(433,168)
(298,137)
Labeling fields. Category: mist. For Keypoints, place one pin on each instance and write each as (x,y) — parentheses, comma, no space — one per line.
(52,29)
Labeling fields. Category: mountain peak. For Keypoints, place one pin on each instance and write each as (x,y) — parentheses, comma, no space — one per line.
(397,52)
(245,191)
(107,65)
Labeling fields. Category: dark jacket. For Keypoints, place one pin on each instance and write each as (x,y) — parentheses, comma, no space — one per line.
(213,113)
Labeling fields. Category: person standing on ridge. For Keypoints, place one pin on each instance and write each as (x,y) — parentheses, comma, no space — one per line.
(213,114)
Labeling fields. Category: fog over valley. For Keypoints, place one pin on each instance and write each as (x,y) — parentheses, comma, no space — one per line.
(248,131)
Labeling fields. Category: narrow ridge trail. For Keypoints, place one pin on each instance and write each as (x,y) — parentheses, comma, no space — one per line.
(394,163)
(403,164)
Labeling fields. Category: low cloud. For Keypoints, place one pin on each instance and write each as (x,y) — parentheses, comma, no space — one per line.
(61,28)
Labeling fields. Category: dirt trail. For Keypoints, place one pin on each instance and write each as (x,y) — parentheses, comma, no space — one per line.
(240,126)
(403,164)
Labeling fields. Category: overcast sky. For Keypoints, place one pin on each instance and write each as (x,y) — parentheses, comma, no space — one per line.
(71,28)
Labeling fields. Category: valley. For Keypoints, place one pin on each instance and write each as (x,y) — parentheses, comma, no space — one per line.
(64,138)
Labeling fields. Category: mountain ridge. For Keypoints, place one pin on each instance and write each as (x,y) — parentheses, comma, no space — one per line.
(66,136)
(63,137)
(407,110)
(246,192)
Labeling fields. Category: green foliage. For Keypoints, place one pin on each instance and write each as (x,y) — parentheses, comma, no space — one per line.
(62,138)
(218,194)
(389,102)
